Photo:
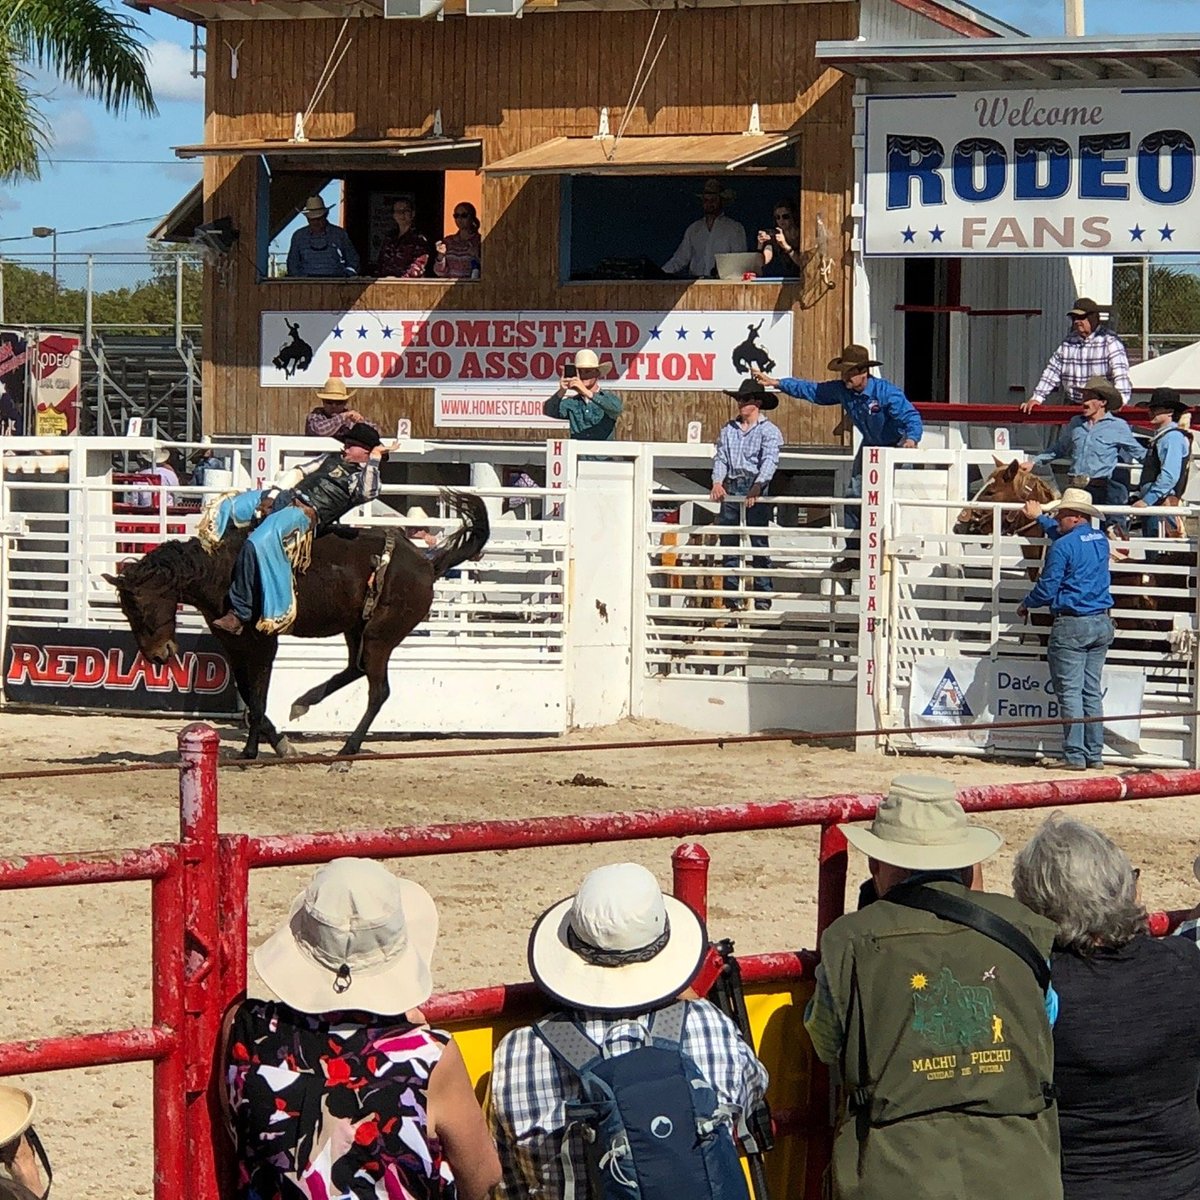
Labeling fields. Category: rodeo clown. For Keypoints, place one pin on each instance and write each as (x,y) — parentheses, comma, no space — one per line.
(302,502)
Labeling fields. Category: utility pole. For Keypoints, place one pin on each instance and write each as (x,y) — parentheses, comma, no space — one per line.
(1073,18)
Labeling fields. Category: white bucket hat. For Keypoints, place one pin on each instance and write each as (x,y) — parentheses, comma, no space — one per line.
(920,825)
(358,937)
(1074,500)
(618,944)
(589,360)
(17,1107)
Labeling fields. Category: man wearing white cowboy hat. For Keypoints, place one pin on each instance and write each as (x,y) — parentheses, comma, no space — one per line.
(320,249)
(334,416)
(589,410)
(20,1148)
(933,1003)
(1075,585)
(613,956)
(164,476)
(879,410)
(713,234)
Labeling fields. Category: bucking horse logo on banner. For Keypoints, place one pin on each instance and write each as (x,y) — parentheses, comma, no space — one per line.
(295,354)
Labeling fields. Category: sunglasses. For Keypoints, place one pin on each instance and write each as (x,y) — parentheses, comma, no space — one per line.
(783,216)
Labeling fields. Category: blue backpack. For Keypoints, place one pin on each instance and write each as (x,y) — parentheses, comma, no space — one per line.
(651,1124)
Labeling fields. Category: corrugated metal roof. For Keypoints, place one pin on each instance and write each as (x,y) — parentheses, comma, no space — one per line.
(1018,60)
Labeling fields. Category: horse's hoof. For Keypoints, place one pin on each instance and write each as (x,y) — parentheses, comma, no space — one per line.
(339,768)
(298,710)
(284,748)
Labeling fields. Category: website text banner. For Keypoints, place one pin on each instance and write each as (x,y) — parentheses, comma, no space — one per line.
(493,408)
(967,692)
(1058,170)
(679,350)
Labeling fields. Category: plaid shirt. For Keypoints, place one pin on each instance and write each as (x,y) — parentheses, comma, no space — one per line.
(754,451)
(530,1089)
(1079,358)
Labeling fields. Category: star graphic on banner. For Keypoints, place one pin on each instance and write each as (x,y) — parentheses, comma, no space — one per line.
(681,334)
(908,234)
(1136,233)
(361,331)
(936,234)
(654,334)
(708,334)
(337,331)
(386,331)
(1165,233)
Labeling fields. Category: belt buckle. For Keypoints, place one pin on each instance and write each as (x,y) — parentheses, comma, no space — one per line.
(1079,480)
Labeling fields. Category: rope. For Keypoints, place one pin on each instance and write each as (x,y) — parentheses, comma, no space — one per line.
(328,71)
(636,90)
(797,738)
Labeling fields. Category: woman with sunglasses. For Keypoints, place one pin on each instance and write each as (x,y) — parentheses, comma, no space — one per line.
(458,253)
(782,258)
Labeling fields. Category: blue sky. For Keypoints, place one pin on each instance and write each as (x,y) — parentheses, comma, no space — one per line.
(106,169)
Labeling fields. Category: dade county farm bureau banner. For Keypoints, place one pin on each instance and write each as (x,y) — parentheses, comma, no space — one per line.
(1051,171)
(659,351)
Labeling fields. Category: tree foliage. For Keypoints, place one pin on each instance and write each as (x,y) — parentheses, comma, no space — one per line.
(86,44)
(1173,297)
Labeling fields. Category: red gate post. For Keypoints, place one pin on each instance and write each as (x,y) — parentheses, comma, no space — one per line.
(689,874)
(170,1144)
(831,877)
(198,749)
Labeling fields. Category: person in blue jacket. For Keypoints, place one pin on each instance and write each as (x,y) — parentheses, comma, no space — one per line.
(1165,469)
(880,410)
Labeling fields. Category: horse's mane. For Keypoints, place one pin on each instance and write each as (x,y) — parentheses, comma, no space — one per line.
(175,564)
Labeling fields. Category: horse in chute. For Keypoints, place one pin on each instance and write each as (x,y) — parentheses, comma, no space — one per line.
(370,585)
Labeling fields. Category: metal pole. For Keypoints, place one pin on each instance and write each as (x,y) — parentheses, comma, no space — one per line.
(179,303)
(689,871)
(1073,18)
(1145,307)
(1,290)
(54,257)
(87,304)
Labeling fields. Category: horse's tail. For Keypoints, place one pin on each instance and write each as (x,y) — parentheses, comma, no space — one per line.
(469,540)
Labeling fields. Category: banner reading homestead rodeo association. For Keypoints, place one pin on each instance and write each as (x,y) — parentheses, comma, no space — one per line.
(1058,170)
(647,351)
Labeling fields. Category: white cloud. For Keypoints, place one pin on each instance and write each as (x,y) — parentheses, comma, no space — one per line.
(8,204)
(72,133)
(170,71)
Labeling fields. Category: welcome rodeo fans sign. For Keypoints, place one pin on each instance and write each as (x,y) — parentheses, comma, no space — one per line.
(647,351)
(1050,171)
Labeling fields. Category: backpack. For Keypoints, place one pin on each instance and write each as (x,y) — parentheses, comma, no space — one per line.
(651,1124)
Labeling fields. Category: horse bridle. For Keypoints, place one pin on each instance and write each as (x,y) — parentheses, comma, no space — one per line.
(1022,495)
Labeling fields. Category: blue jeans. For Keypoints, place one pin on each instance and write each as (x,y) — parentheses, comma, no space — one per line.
(758,516)
(1076,656)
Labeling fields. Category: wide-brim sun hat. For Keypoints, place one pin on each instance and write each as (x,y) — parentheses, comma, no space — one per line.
(1075,500)
(921,826)
(357,938)
(335,389)
(162,457)
(853,358)
(618,945)
(589,360)
(17,1107)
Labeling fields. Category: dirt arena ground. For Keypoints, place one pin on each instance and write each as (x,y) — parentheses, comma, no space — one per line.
(79,958)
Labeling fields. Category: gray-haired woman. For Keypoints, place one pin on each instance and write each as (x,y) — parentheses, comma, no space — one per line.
(1127,1039)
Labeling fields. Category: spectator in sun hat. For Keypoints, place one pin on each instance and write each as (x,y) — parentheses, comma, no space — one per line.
(933,1005)
(338,1087)
(713,234)
(879,410)
(1165,469)
(320,249)
(1091,348)
(163,474)
(611,957)
(589,410)
(333,416)
(21,1153)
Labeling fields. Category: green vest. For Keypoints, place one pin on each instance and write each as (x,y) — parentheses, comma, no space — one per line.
(949,1050)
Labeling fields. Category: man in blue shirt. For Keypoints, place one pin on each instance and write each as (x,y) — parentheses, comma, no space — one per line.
(744,464)
(881,413)
(1075,585)
(1094,442)
(1164,473)
(320,249)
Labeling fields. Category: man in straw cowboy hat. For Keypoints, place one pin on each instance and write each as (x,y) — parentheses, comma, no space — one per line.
(747,455)
(1075,585)
(320,249)
(334,416)
(21,1152)
(713,234)
(933,1004)
(879,410)
(1094,441)
(589,410)
(1089,349)
(615,957)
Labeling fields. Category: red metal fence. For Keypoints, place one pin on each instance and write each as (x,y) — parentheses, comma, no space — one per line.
(199,905)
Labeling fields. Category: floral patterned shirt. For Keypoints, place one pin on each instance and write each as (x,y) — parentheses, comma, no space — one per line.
(333,1106)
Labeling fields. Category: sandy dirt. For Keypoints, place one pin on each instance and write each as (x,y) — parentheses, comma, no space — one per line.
(79,958)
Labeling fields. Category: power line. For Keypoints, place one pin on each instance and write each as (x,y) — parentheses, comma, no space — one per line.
(29,237)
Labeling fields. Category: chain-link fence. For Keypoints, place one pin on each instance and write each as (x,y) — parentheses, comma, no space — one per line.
(156,293)
(1156,304)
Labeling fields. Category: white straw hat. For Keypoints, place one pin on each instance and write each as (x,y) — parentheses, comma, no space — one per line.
(358,937)
(162,456)
(314,206)
(1074,500)
(589,360)
(17,1107)
(920,825)
(618,944)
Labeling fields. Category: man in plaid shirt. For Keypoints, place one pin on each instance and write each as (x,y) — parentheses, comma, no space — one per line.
(611,955)
(1090,349)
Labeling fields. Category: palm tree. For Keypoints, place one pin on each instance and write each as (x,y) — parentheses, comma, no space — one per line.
(83,42)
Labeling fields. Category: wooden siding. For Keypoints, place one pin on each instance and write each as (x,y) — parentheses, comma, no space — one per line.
(515,83)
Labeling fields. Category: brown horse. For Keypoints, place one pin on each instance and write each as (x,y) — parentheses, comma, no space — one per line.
(339,593)
(1007,484)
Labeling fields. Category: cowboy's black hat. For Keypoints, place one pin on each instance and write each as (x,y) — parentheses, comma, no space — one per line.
(361,434)
(1166,399)
(751,390)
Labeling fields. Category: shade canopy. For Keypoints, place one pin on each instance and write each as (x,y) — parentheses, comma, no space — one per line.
(1180,369)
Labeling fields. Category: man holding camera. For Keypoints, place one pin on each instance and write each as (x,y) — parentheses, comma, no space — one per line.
(590,412)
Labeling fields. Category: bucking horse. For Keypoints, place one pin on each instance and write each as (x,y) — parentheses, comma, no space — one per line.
(373,586)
